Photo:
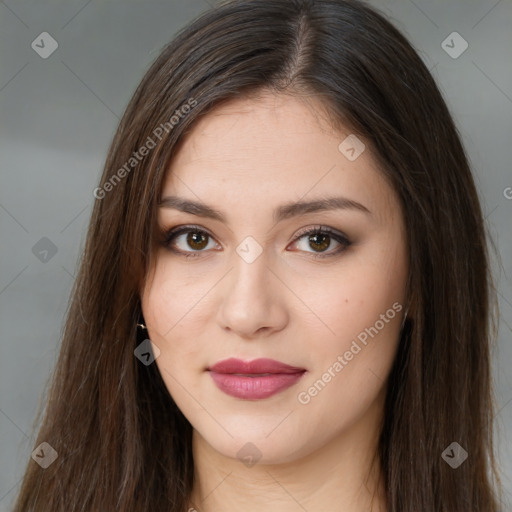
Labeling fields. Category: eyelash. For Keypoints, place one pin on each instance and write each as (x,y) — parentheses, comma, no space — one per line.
(171,234)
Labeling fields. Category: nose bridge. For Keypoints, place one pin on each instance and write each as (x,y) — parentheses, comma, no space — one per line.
(250,300)
(250,276)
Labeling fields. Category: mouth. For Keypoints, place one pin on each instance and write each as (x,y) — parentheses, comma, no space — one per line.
(254,380)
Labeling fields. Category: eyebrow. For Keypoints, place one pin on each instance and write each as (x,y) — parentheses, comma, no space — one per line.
(283,212)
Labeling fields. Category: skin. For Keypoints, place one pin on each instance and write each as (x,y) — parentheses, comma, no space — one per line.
(245,158)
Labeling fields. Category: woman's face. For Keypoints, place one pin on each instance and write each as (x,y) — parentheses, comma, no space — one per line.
(254,285)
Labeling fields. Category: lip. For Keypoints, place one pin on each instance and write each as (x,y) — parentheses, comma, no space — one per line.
(254,380)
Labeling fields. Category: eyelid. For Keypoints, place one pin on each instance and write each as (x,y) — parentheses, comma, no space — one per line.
(322,228)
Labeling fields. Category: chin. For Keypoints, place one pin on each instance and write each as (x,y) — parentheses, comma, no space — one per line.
(255,440)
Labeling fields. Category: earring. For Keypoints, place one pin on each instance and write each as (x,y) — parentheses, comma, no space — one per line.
(141,323)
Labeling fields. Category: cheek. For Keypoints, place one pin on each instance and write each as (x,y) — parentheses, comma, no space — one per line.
(169,320)
(170,311)
(363,306)
(356,296)
(350,368)
(174,304)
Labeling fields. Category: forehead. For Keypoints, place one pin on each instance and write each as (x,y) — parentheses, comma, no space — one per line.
(267,149)
(247,126)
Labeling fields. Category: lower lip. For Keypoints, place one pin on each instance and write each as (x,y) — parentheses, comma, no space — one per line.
(254,388)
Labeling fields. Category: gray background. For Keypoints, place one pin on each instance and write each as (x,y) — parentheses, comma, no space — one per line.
(59,115)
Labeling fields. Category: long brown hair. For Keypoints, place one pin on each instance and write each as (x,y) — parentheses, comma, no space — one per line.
(122,443)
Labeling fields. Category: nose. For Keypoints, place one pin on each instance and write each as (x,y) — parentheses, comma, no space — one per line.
(253,299)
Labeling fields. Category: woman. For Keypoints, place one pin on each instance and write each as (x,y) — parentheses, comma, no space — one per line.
(284,297)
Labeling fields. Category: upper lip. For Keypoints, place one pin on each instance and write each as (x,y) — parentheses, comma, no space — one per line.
(257,366)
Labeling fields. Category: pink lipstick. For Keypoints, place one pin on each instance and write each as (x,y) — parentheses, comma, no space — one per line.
(254,380)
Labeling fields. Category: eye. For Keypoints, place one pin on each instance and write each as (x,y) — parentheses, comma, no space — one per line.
(195,239)
(319,238)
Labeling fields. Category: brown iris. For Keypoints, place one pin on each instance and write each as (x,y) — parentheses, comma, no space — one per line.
(325,240)
(195,242)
